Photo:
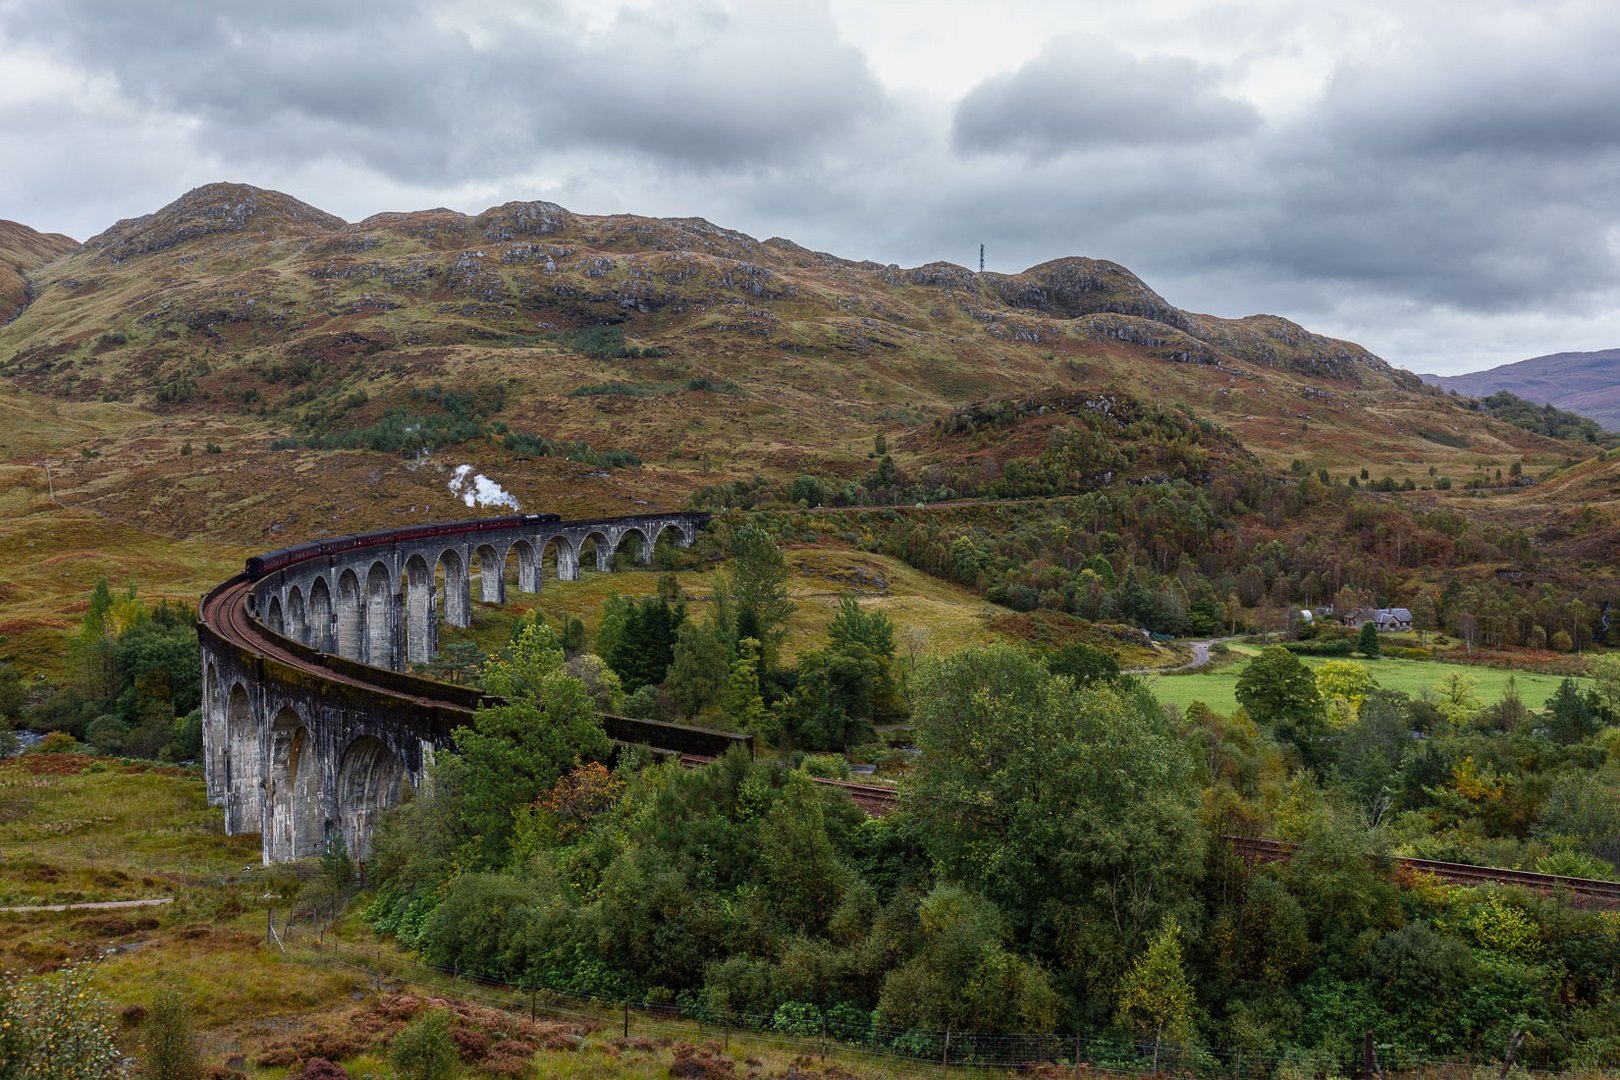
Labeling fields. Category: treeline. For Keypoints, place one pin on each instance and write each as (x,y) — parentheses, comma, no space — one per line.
(1179,559)
(134,684)
(1057,864)
(1548,420)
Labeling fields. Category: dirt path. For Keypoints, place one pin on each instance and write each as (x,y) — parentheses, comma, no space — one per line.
(97,905)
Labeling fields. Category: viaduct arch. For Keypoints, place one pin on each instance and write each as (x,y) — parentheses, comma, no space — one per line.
(312,726)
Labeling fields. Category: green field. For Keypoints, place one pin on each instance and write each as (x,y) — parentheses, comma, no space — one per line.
(1217,688)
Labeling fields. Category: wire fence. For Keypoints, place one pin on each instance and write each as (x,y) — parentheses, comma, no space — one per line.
(850,1034)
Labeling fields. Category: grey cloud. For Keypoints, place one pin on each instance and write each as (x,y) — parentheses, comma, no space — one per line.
(1082,91)
(1543,90)
(1458,180)
(421,100)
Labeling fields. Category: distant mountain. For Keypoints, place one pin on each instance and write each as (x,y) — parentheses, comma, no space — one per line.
(22,251)
(1584,382)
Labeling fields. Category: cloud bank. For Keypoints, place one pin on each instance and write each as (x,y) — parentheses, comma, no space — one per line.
(1435,181)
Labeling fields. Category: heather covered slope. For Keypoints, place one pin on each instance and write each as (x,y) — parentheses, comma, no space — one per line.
(233,293)
(1583,382)
(22,252)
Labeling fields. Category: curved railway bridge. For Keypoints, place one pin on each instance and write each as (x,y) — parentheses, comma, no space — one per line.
(311,727)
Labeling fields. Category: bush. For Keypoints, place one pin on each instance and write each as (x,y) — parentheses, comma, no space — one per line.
(1561,641)
(827,766)
(424,1049)
(53,1026)
(319,1069)
(170,1050)
(797,1018)
(57,742)
(107,735)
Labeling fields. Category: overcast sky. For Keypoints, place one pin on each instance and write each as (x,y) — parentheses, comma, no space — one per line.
(1437,180)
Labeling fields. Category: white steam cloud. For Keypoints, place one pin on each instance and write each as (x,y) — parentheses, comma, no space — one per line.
(479,490)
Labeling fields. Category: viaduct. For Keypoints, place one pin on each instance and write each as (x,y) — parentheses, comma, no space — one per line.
(312,726)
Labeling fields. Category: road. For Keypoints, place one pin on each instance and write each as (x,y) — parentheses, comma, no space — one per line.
(1200,651)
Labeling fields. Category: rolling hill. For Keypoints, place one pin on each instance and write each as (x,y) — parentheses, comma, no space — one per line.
(238,299)
(1583,382)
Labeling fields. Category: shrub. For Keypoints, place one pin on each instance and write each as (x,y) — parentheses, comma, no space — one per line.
(1561,641)
(827,766)
(170,1050)
(56,742)
(797,1018)
(53,1026)
(424,1048)
(317,1068)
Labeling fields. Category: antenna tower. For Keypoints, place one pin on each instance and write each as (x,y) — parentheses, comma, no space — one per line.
(981,258)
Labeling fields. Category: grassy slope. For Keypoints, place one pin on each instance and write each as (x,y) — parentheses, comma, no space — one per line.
(70,836)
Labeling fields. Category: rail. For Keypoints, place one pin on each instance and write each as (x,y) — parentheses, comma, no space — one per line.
(1591,890)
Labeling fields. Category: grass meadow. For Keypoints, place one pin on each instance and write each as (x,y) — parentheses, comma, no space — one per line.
(1217,687)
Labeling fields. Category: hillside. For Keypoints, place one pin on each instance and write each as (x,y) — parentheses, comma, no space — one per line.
(239,370)
(22,252)
(722,353)
(1584,382)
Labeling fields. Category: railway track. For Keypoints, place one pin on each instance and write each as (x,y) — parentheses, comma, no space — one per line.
(225,610)
(1588,890)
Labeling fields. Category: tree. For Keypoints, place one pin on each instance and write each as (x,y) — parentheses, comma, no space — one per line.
(964,977)
(1367,641)
(166,1038)
(1072,809)
(645,646)
(1424,615)
(1083,663)
(1605,675)
(1279,692)
(1343,684)
(743,704)
(757,591)
(516,750)
(1156,997)
(803,874)
(573,640)
(698,667)
(831,709)
(1571,714)
(854,629)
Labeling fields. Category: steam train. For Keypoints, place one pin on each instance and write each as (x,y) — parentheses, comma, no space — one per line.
(271,561)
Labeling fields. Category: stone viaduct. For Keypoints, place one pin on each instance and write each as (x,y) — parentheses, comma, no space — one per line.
(311,724)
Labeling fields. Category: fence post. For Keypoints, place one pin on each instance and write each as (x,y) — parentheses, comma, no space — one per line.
(824,1037)
(1077,1056)
(627,1018)
(945,1058)
(533,993)
(379,969)
(269,924)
